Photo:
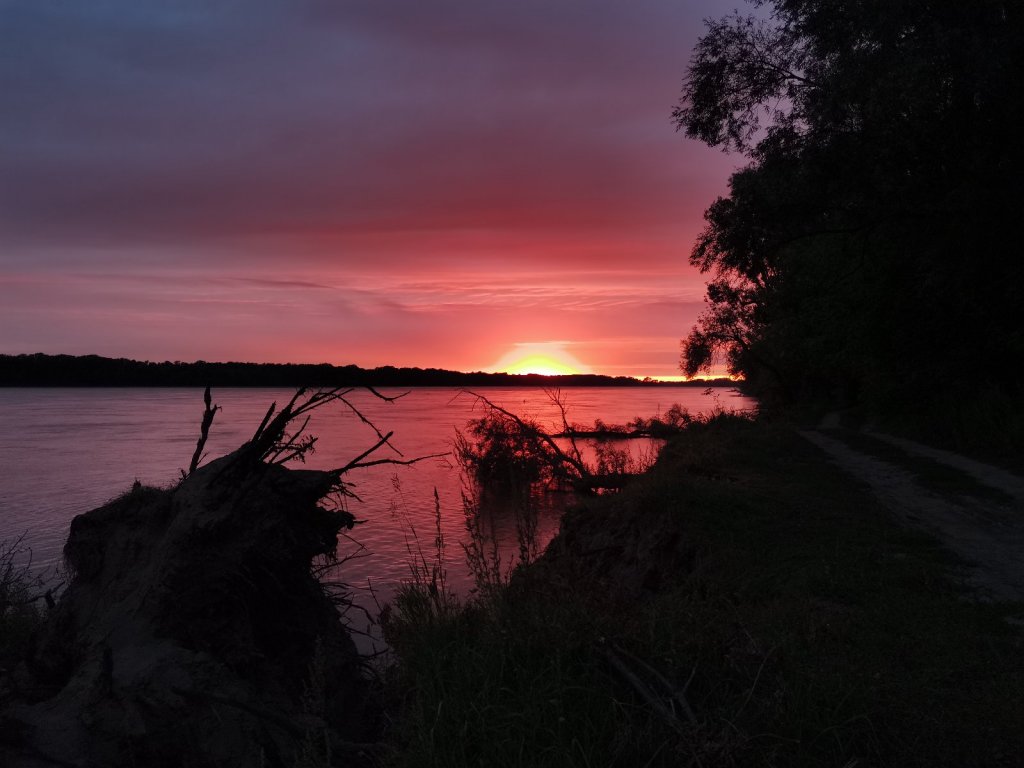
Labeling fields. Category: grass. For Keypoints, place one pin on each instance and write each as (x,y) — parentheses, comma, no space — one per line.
(799,622)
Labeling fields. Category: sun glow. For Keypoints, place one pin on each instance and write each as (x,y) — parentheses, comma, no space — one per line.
(545,358)
(542,365)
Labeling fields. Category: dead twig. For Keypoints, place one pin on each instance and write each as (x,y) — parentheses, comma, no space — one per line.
(676,693)
(653,700)
(204,430)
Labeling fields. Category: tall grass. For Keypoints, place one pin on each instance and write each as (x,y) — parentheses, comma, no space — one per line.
(22,601)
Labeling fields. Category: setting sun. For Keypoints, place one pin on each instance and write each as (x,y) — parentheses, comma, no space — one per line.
(547,358)
(542,365)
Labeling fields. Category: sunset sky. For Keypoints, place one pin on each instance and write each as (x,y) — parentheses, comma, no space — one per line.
(439,184)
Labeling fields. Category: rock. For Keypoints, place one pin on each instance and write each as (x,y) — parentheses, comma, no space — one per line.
(193,632)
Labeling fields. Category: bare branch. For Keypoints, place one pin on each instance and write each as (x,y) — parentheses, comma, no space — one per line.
(555,395)
(369,423)
(397,462)
(385,398)
(383,440)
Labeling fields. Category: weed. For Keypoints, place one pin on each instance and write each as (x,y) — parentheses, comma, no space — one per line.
(22,595)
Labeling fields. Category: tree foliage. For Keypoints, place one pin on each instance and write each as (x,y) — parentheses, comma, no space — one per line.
(869,246)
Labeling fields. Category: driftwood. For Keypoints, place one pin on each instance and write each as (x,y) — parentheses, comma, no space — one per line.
(573,459)
(208,586)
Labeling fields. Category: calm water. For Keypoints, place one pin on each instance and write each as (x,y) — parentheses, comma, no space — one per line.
(66,451)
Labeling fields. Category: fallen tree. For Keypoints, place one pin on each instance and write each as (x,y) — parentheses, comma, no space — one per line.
(502,447)
(193,630)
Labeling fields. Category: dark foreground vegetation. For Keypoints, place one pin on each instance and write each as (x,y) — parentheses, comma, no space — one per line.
(744,604)
(93,371)
(867,254)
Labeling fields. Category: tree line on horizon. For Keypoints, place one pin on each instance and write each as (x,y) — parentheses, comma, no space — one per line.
(40,370)
(866,255)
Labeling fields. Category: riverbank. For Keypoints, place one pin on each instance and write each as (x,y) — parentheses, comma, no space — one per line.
(745,603)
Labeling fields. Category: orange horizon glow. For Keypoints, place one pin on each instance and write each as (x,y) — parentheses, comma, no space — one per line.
(552,358)
(541,366)
(699,377)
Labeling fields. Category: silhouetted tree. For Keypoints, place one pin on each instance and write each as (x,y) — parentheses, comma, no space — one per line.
(869,246)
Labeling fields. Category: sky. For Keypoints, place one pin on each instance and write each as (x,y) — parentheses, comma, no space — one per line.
(469,185)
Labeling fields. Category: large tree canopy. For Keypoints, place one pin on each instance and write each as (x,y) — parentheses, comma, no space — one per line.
(868,252)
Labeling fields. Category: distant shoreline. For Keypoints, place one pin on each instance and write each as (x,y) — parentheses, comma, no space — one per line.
(39,370)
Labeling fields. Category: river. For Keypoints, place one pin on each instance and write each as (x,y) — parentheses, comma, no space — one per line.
(66,451)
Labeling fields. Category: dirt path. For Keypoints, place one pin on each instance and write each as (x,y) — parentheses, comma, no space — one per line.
(987,534)
(986,474)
